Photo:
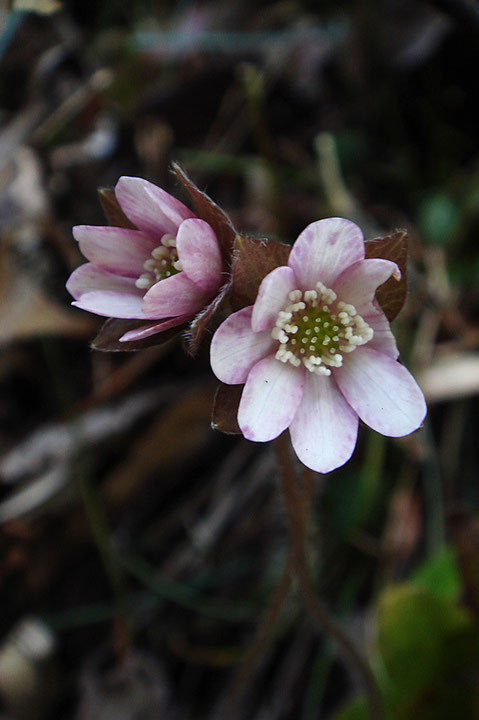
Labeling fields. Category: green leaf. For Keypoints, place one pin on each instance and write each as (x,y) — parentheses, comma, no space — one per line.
(108,337)
(253,259)
(208,210)
(391,295)
(113,212)
(225,409)
(439,575)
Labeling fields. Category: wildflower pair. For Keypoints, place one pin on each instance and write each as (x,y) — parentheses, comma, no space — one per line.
(309,341)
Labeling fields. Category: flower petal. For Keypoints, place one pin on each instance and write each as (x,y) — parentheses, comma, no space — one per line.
(117,250)
(325,428)
(359,282)
(173,296)
(273,297)
(153,329)
(383,339)
(102,293)
(150,208)
(382,392)
(324,250)
(270,399)
(199,254)
(235,348)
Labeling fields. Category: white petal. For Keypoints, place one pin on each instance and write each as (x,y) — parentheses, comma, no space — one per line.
(383,339)
(358,283)
(235,348)
(324,250)
(270,399)
(273,297)
(325,428)
(382,392)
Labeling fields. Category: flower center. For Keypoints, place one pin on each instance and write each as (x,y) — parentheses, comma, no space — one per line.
(162,263)
(316,329)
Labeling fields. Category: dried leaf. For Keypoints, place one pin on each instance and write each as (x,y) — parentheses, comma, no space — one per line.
(208,210)
(26,311)
(108,338)
(253,259)
(201,322)
(225,409)
(111,207)
(391,295)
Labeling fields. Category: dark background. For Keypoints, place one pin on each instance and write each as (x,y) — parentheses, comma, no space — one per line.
(139,550)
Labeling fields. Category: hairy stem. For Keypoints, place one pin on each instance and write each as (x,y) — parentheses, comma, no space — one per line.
(324,621)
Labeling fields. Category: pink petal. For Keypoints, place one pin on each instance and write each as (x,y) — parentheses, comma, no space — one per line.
(89,278)
(148,330)
(235,348)
(117,250)
(150,208)
(273,297)
(383,340)
(173,296)
(382,392)
(270,399)
(199,254)
(325,428)
(111,304)
(359,282)
(324,250)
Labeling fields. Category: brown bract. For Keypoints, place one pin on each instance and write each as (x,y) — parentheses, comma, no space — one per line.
(391,295)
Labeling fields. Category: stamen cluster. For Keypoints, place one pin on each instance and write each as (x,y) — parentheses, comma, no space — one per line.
(162,264)
(316,329)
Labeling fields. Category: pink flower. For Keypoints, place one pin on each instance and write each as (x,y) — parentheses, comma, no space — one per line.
(316,353)
(167,270)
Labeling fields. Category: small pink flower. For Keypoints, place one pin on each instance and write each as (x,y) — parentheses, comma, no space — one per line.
(316,353)
(167,270)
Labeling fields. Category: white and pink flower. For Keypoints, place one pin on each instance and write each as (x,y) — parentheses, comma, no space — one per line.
(316,352)
(168,269)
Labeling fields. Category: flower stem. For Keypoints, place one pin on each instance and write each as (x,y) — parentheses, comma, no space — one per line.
(325,622)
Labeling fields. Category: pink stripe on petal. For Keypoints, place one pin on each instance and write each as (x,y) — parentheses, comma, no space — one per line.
(325,427)
(273,297)
(382,392)
(148,330)
(324,250)
(270,399)
(117,250)
(358,283)
(199,254)
(235,348)
(173,296)
(150,208)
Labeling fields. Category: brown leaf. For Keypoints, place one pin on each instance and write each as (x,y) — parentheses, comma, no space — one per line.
(108,338)
(111,207)
(204,319)
(208,210)
(225,409)
(26,311)
(253,259)
(391,295)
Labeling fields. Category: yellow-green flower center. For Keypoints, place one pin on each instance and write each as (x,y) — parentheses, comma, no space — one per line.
(316,329)
(162,263)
